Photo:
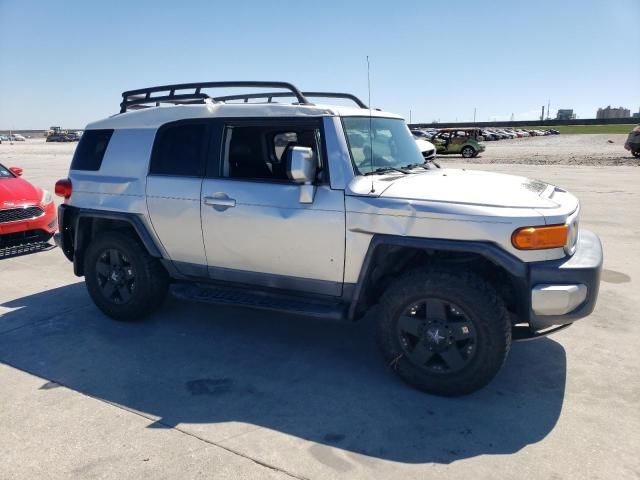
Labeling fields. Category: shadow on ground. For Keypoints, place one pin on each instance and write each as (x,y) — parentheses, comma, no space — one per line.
(318,381)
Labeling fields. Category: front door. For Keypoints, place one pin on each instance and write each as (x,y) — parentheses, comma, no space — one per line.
(458,139)
(255,229)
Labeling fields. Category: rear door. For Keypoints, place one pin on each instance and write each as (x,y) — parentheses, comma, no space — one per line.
(173,190)
(256,230)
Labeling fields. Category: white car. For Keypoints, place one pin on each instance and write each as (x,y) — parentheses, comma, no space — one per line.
(427,149)
(15,137)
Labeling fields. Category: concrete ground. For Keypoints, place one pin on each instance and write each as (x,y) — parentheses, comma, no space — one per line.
(199,392)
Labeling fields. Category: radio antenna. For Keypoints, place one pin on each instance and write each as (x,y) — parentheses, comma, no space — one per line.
(370,124)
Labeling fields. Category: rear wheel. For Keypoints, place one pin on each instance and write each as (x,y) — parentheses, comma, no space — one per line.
(636,153)
(123,280)
(444,332)
(468,152)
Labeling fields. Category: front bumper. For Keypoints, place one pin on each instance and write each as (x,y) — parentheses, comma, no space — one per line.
(43,226)
(566,290)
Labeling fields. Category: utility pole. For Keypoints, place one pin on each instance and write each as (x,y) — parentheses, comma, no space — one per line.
(542,116)
(410,122)
(549,109)
(474,114)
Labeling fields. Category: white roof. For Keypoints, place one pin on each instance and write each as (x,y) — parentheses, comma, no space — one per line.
(154,117)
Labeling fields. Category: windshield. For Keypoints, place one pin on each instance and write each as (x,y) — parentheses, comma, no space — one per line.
(390,146)
(4,172)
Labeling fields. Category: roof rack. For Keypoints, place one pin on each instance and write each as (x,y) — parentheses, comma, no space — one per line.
(133,99)
(270,95)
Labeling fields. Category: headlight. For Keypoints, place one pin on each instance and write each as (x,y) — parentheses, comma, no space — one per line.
(572,234)
(46,198)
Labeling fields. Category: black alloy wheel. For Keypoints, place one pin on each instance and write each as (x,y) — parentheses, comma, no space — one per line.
(437,336)
(116,276)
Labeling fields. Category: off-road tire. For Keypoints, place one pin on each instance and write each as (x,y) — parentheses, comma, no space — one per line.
(482,306)
(151,279)
(468,152)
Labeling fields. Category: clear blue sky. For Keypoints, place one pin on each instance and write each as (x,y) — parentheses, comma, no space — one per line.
(67,62)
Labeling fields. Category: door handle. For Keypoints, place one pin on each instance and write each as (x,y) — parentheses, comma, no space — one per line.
(220,201)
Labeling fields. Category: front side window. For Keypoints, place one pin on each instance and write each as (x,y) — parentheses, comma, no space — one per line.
(380,143)
(257,152)
(179,150)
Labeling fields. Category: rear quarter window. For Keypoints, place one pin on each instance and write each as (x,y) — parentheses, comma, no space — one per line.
(90,150)
(179,150)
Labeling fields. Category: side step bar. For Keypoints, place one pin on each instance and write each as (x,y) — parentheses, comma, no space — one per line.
(220,295)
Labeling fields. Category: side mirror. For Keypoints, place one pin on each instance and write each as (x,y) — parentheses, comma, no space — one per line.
(16,171)
(301,164)
(301,168)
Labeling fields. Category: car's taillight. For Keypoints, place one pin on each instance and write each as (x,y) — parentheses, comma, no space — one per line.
(63,188)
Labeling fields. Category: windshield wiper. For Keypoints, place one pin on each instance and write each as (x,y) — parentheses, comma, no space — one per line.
(387,169)
(424,164)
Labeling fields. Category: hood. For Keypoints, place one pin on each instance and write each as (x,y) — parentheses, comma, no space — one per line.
(473,188)
(18,191)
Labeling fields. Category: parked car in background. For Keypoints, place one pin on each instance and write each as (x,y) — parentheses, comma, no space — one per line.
(15,137)
(27,212)
(420,134)
(427,149)
(488,136)
(462,141)
(72,137)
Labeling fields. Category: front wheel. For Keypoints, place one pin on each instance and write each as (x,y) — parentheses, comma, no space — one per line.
(444,332)
(123,280)
(636,153)
(468,152)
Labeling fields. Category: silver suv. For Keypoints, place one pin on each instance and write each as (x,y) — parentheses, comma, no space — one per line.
(322,210)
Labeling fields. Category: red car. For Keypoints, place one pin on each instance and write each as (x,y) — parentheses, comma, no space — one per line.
(27,212)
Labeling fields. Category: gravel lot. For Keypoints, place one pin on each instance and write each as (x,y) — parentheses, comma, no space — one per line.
(201,392)
(559,150)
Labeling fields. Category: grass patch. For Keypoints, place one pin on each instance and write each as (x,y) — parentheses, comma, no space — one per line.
(568,129)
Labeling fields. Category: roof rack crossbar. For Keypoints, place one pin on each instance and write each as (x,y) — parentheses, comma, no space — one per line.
(143,95)
(270,95)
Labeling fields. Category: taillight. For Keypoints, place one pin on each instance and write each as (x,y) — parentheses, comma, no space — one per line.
(63,188)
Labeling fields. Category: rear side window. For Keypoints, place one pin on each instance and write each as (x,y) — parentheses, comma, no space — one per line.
(179,150)
(90,150)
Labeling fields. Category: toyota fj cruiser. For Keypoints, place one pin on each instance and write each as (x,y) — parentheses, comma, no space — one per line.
(326,211)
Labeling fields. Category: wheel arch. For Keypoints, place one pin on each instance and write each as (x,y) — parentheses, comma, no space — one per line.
(82,225)
(389,256)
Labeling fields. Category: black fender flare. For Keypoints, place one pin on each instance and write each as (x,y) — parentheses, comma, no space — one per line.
(515,267)
(72,237)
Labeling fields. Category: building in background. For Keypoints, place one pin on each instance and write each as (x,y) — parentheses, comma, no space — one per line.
(565,114)
(637,114)
(609,112)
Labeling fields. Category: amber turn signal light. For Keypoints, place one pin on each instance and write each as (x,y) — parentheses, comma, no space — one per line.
(538,238)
